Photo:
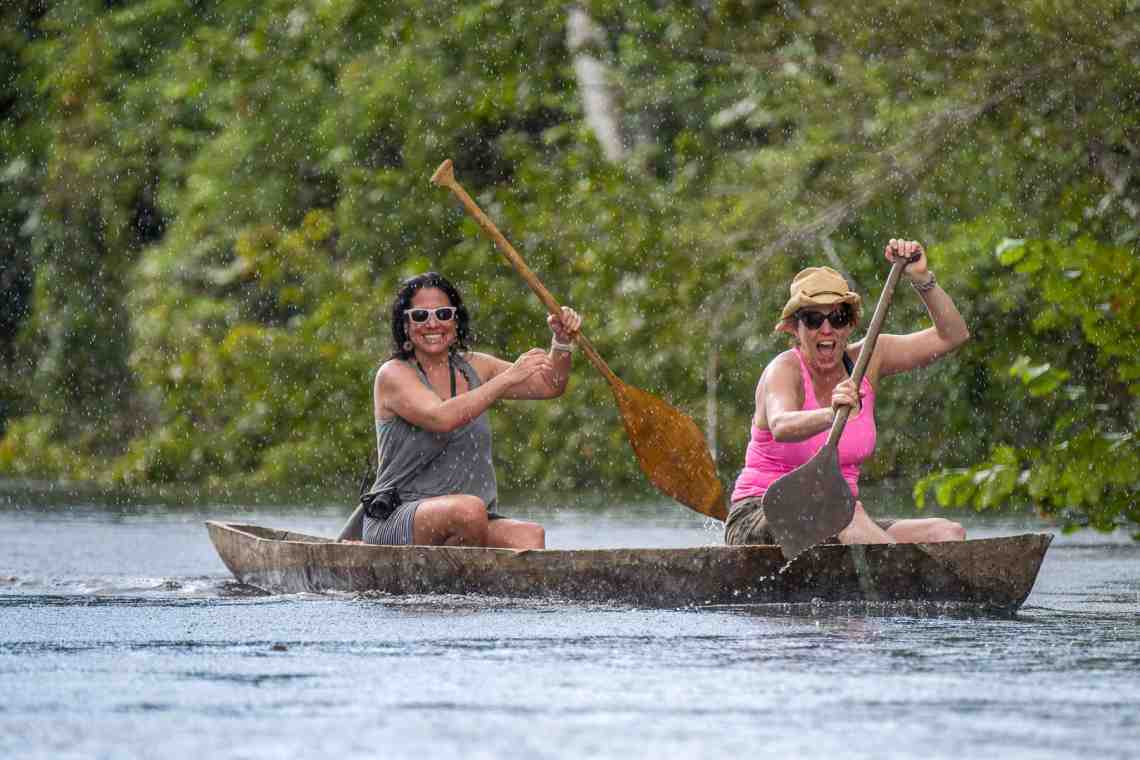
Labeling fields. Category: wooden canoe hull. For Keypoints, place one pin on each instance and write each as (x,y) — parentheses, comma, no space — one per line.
(993,574)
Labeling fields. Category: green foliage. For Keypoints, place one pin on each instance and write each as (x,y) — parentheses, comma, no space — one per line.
(1074,450)
(217,200)
(22,139)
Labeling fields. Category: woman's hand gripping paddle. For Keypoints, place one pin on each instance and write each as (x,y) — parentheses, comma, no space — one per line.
(669,446)
(813,501)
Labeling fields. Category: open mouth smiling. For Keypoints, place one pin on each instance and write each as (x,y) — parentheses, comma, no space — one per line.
(826,347)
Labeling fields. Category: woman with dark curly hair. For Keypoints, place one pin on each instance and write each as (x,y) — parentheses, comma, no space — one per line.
(435,482)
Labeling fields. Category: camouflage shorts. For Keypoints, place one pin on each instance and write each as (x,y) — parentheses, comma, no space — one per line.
(747,524)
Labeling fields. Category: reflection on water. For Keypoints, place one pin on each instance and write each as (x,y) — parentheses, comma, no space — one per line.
(123,635)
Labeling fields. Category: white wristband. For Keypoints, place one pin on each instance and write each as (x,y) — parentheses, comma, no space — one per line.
(557,345)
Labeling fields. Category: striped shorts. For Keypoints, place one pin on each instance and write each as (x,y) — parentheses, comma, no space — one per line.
(746,524)
(398,529)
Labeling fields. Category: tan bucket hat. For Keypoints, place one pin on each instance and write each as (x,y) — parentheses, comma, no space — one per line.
(819,286)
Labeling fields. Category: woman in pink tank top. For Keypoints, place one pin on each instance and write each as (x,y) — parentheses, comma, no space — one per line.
(799,391)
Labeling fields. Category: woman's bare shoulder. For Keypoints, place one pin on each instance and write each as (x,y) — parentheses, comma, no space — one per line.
(394,370)
(785,363)
(391,376)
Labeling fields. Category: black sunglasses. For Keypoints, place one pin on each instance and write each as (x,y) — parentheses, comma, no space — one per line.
(442,314)
(814,319)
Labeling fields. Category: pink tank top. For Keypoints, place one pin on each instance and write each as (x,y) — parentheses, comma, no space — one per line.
(768,459)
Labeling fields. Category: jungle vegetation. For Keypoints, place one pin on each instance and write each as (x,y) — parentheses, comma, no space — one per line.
(206,207)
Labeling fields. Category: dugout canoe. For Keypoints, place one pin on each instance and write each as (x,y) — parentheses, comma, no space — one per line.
(990,574)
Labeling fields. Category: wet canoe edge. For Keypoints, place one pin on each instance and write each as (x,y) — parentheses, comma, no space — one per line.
(989,576)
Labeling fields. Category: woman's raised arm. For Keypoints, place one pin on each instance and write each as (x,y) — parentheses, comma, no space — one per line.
(399,391)
(902,353)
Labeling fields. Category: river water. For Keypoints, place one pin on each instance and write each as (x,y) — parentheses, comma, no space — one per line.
(123,636)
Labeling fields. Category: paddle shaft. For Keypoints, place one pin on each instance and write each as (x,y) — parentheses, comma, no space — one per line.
(670,448)
(353,526)
(445,177)
(873,331)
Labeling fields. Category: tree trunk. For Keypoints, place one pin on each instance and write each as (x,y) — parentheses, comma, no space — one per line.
(599,101)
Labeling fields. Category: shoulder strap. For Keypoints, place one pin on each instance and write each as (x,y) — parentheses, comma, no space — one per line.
(370,467)
(805,376)
(469,372)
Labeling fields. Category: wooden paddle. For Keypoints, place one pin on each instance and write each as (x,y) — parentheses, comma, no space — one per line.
(813,501)
(669,446)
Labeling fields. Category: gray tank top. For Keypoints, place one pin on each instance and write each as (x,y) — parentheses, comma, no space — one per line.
(420,464)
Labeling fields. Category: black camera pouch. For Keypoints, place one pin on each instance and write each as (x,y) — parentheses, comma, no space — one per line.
(380,506)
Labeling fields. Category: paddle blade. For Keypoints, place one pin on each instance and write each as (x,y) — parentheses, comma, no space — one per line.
(671,450)
(809,504)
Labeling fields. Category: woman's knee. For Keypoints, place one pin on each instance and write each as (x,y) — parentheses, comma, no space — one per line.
(468,509)
(863,530)
(468,521)
(459,520)
(948,530)
(927,530)
(940,529)
(516,534)
(536,536)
